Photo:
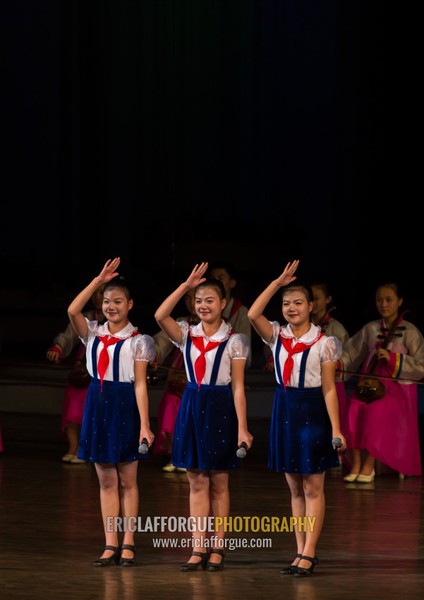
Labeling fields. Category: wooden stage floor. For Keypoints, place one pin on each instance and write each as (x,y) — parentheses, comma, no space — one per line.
(50,531)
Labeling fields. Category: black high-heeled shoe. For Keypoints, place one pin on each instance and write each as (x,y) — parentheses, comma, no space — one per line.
(291,569)
(192,566)
(211,566)
(302,572)
(111,560)
(127,562)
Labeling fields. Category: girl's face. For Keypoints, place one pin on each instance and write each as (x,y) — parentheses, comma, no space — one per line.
(225,279)
(321,301)
(209,304)
(387,303)
(116,305)
(296,308)
(97,298)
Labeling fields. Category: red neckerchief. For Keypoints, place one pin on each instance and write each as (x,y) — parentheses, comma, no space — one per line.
(236,305)
(299,347)
(103,361)
(200,363)
(324,323)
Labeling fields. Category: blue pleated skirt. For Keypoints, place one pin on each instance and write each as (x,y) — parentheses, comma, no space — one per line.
(206,429)
(300,432)
(110,429)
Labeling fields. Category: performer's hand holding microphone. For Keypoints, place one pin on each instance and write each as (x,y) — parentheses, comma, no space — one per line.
(143,447)
(338,443)
(242,450)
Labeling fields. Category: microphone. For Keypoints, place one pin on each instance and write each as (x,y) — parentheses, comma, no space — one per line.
(337,443)
(143,447)
(242,450)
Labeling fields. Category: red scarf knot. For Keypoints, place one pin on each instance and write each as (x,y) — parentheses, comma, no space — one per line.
(103,362)
(290,349)
(200,363)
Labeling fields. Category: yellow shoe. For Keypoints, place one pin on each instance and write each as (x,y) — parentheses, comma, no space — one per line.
(351,477)
(77,461)
(169,468)
(181,470)
(366,478)
(67,457)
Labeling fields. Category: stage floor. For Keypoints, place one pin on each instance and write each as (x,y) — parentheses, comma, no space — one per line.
(372,545)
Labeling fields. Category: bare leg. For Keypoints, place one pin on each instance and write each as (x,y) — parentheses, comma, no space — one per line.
(199,506)
(72,431)
(109,501)
(368,465)
(220,502)
(313,486)
(298,506)
(129,497)
(356,461)
(169,467)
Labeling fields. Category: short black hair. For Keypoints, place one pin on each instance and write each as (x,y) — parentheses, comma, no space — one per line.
(303,287)
(216,284)
(224,264)
(121,283)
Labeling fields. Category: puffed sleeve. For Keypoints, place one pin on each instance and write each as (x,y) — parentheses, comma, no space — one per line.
(238,346)
(184,331)
(93,327)
(144,348)
(275,333)
(331,349)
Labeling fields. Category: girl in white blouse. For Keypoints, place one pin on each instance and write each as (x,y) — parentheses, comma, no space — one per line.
(305,415)
(211,420)
(116,416)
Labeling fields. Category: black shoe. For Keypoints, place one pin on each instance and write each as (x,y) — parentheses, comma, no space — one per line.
(192,566)
(291,568)
(212,566)
(111,560)
(301,572)
(127,562)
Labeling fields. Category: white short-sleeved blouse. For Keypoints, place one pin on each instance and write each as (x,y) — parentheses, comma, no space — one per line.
(236,348)
(135,347)
(326,348)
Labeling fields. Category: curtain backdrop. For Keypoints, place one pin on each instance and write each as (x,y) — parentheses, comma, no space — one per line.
(175,131)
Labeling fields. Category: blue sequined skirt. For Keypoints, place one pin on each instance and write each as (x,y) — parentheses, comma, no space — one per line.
(300,432)
(110,429)
(206,429)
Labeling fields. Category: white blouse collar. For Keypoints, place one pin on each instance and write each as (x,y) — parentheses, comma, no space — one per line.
(222,334)
(124,333)
(307,338)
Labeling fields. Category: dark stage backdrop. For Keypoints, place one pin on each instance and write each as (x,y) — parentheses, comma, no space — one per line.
(175,131)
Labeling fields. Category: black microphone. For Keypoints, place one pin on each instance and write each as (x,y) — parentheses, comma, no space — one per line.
(144,446)
(242,450)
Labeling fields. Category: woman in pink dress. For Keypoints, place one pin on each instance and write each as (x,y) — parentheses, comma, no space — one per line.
(64,345)
(385,429)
